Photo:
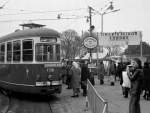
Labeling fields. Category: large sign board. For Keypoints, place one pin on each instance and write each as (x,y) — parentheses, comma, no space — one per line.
(90,42)
(120,38)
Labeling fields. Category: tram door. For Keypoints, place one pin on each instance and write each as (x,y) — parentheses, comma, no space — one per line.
(49,53)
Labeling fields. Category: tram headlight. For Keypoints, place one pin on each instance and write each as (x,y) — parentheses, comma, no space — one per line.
(56,82)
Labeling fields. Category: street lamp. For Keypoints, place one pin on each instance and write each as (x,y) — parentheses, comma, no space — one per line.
(108,9)
(102,14)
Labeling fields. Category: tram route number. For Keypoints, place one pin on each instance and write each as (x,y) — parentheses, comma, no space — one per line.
(53,65)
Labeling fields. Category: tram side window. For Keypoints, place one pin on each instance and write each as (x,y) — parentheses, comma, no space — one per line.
(2,52)
(9,51)
(16,50)
(28,50)
(57,52)
(39,52)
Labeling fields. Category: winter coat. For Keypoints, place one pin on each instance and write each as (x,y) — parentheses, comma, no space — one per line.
(75,74)
(136,87)
(101,71)
(146,79)
(136,81)
(85,74)
(112,69)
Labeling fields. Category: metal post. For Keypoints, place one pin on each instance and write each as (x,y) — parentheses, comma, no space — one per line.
(141,48)
(90,30)
(98,50)
(102,23)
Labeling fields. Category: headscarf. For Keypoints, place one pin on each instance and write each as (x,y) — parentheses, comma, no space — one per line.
(75,64)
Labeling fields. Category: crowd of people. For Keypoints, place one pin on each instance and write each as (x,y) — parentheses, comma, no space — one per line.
(75,75)
(133,77)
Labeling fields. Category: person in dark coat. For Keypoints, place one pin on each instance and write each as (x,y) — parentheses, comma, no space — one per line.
(101,72)
(119,72)
(112,72)
(146,85)
(85,74)
(135,75)
(68,76)
(75,73)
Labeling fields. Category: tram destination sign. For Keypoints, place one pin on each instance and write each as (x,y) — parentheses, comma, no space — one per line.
(48,39)
(90,42)
(53,65)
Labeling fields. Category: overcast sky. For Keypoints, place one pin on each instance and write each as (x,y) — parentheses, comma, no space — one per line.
(133,15)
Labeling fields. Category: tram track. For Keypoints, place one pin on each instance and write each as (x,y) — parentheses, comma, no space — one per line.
(29,105)
(50,107)
(8,109)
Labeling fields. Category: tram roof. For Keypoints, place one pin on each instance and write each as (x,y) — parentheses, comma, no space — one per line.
(30,33)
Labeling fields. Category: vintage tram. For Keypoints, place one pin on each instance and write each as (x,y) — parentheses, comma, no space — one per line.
(30,60)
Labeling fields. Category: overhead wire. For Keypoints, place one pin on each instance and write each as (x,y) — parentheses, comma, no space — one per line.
(74,21)
(40,19)
(38,12)
(3,5)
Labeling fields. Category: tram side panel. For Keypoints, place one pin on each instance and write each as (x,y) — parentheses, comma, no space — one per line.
(30,78)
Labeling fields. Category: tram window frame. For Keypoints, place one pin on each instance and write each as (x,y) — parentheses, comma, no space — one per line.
(40,53)
(2,52)
(57,52)
(16,51)
(27,50)
(9,51)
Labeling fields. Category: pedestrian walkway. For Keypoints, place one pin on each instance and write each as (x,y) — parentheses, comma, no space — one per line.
(116,102)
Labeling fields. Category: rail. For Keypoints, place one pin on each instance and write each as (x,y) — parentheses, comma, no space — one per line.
(96,102)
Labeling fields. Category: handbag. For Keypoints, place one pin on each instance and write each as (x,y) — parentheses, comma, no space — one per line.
(126,80)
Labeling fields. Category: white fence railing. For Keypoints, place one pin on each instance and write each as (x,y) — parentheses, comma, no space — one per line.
(96,102)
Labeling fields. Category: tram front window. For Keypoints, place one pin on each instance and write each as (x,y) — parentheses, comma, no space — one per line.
(45,53)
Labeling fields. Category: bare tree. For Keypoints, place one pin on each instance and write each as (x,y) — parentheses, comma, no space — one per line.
(71,44)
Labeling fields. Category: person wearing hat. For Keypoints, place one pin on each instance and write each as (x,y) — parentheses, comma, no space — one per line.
(135,75)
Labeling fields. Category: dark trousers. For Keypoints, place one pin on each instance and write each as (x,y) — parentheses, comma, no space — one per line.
(125,91)
(84,87)
(68,82)
(134,104)
(84,92)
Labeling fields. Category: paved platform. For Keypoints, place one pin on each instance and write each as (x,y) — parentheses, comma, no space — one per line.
(112,94)
(116,102)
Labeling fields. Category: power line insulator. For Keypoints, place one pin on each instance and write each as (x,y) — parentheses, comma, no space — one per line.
(58,16)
